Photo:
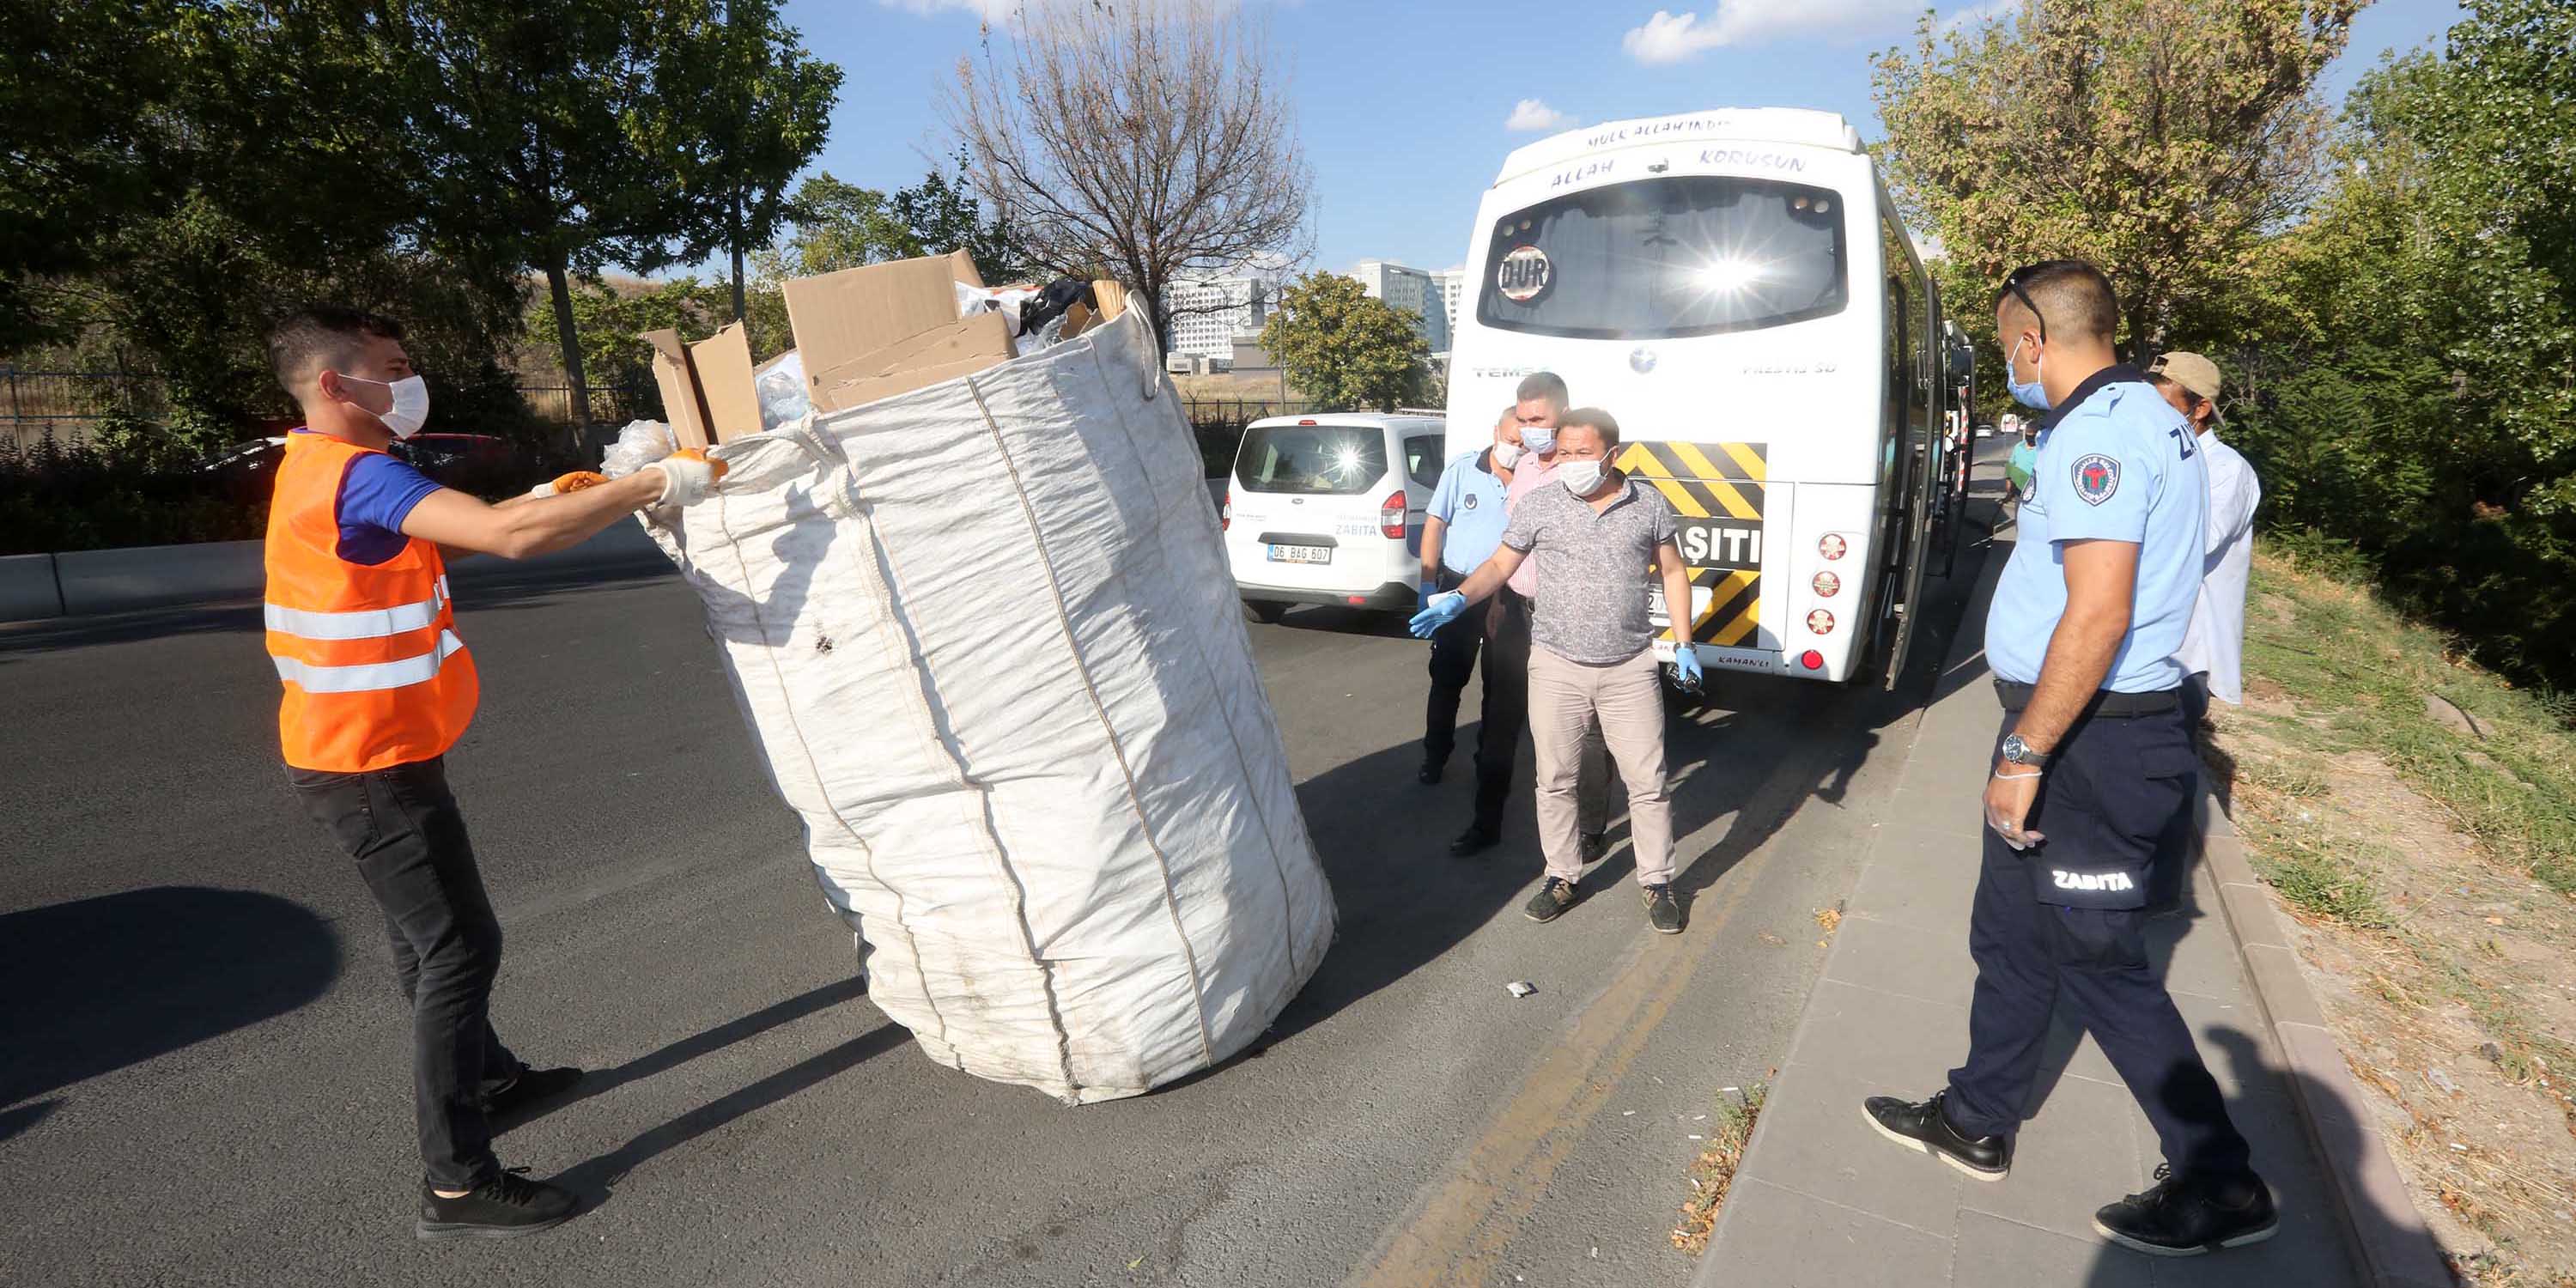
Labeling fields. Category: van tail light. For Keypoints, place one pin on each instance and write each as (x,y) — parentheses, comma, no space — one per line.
(1225,513)
(1390,516)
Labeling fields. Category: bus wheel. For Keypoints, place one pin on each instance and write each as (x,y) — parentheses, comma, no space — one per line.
(1265,610)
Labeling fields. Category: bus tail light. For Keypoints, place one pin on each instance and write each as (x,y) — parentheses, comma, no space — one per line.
(1820,622)
(1812,660)
(1830,545)
(1390,517)
(1826,584)
(1225,513)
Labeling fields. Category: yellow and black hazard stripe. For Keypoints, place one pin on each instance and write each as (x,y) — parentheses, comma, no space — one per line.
(1711,481)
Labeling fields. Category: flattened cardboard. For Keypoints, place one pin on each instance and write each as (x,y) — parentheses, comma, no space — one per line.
(857,311)
(984,339)
(682,406)
(859,393)
(722,364)
(1109,295)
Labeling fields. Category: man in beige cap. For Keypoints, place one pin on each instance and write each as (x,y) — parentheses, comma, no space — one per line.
(2213,648)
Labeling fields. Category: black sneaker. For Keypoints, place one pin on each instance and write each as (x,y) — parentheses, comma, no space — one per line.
(505,1207)
(1592,847)
(1555,895)
(1663,912)
(1429,773)
(1922,1125)
(1475,840)
(2185,1216)
(533,1087)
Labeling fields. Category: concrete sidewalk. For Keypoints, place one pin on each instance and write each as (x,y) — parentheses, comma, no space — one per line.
(1823,1200)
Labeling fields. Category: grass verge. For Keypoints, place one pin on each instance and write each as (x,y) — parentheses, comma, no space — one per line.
(1731,1128)
(2416,816)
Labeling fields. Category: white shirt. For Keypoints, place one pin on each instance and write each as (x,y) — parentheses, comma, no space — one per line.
(2215,643)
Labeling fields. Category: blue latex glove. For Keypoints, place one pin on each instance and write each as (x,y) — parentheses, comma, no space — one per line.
(1438,611)
(1686,666)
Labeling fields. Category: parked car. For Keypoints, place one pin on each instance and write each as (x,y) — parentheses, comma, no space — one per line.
(1986,430)
(484,464)
(1327,509)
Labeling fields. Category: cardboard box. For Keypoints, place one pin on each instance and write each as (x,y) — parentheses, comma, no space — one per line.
(942,353)
(682,406)
(722,366)
(850,314)
(1109,295)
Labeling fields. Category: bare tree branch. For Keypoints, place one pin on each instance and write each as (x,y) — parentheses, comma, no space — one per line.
(1150,141)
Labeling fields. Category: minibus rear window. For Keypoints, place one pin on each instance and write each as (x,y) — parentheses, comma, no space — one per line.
(1660,258)
(1330,460)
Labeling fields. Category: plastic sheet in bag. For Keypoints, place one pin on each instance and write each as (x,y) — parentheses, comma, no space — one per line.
(782,393)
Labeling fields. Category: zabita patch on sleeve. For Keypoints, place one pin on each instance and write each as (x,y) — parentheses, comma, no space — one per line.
(2097,478)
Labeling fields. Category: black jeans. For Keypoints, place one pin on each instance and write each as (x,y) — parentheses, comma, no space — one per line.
(403,828)
(1453,660)
(2112,786)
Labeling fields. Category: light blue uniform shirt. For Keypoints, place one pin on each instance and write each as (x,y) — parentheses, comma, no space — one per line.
(1469,500)
(2115,463)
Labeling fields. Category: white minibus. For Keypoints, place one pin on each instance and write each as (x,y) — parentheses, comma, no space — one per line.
(1736,289)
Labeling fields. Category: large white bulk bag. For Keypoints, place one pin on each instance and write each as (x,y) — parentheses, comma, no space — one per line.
(986,638)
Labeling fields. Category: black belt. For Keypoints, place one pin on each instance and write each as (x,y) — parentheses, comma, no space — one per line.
(2105,703)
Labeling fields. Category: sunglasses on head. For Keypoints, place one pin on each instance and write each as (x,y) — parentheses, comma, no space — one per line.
(2013,285)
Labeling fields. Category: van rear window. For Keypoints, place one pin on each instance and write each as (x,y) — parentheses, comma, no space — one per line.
(1330,460)
(1664,258)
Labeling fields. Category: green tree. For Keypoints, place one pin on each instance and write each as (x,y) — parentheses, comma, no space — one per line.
(941,214)
(1344,348)
(527,120)
(833,225)
(2158,139)
(739,107)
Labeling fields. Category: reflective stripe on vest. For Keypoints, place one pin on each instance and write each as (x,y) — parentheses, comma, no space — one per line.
(363,624)
(367,677)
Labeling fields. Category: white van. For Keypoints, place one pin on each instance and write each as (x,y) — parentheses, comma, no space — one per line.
(1327,509)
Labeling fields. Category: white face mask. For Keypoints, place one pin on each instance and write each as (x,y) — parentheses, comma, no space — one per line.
(411,404)
(1507,455)
(1538,438)
(1580,477)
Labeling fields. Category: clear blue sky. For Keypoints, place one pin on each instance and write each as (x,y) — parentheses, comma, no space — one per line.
(1403,105)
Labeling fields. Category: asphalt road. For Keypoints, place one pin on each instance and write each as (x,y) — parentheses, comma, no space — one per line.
(205,1072)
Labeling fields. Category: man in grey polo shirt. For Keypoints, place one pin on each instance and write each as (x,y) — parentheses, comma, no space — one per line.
(1597,541)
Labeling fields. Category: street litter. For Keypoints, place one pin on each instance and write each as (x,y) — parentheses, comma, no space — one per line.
(1521,988)
(1071,850)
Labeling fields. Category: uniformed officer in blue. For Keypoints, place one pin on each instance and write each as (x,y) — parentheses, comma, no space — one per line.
(2093,761)
(1460,528)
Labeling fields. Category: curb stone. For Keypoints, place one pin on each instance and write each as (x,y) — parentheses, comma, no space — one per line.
(2358,1169)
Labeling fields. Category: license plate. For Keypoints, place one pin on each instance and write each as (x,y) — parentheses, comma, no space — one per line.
(1301,554)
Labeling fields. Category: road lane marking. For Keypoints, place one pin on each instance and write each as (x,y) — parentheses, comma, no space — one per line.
(1456,1236)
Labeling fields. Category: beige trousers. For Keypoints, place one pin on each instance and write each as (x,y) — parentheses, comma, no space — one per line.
(1625,700)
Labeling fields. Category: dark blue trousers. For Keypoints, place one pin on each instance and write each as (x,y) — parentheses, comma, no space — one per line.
(2113,786)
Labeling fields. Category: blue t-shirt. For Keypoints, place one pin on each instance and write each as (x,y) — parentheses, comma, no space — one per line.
(377,493)
(2116,463)
(1469,500)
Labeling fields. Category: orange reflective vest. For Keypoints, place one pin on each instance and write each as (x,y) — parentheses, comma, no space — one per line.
(374,673)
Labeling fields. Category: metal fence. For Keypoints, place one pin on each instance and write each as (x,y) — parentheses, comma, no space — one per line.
(64,404)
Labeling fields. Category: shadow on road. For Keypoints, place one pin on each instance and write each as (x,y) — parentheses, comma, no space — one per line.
(596,1178)
(2287,1261)
(91,986)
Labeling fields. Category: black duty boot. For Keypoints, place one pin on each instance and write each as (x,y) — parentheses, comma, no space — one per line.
(1429,773)
(1477,839)
(2185,1216)
(1592,847)
(1922,1125)
(504,1207)
(1555,895)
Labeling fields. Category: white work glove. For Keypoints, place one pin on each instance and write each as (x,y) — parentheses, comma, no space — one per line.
(687,477)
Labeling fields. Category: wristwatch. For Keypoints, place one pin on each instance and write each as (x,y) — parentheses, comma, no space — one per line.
(2022,753)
